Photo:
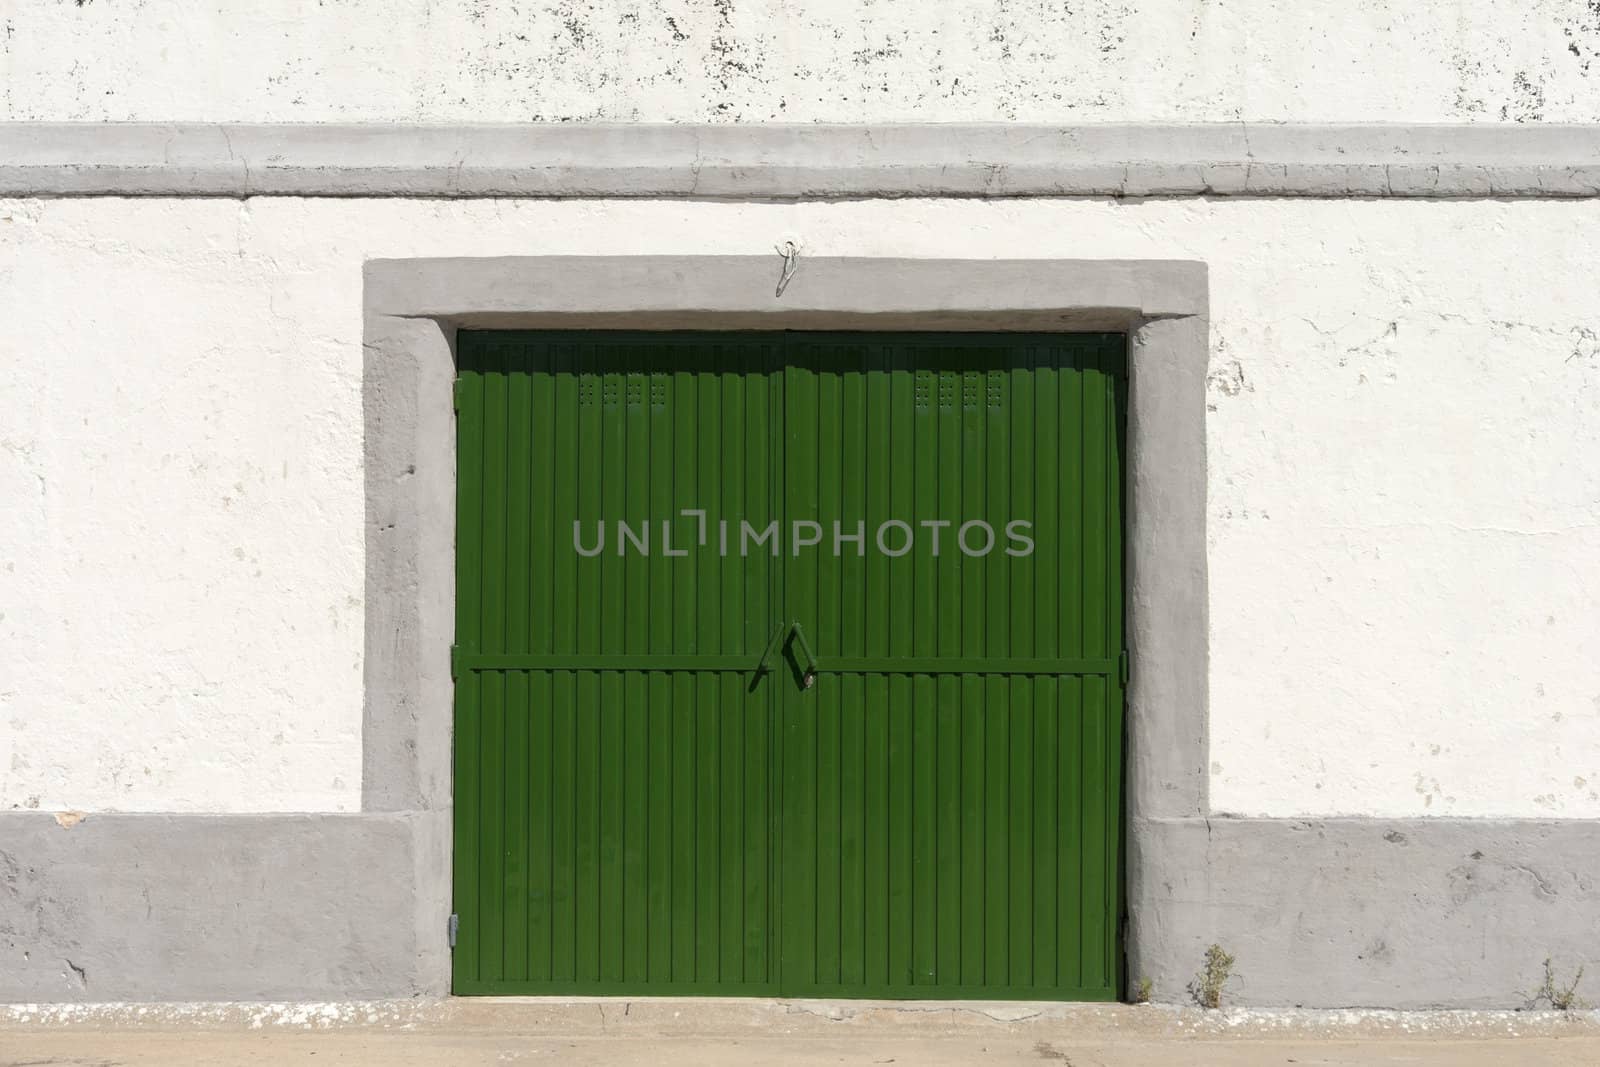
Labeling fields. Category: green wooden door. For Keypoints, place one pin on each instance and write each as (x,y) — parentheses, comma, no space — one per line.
(952,779)
(614,783)
(919,796)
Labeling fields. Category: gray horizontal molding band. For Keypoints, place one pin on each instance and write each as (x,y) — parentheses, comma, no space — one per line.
(798,162)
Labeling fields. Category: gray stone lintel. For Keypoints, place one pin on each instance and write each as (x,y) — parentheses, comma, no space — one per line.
(785,162)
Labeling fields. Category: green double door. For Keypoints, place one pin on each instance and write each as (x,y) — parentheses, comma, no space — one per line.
(789,664)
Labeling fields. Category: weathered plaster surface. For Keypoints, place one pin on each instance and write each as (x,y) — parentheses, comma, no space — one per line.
(1404,537)
(764,61)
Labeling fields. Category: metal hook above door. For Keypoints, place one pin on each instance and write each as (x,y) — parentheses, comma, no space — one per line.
(791,263)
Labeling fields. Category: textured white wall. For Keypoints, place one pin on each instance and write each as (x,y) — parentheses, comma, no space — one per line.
(1405,500)
(829,60)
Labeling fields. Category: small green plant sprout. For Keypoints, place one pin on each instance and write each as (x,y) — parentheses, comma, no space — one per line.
(1141,991)
(1557,996)
(1206,987)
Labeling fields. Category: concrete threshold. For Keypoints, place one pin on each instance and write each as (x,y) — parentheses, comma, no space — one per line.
(768,1015)
(711,1032)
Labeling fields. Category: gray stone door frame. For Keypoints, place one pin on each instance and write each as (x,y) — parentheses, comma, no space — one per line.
(413,309)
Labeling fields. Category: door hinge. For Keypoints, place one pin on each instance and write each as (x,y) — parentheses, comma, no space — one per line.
(455,657)
(1126,668)
(455,394)
(454,927)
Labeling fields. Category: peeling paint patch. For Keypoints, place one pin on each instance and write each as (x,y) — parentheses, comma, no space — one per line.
(1585,345)
(1228,379)
(1527,100)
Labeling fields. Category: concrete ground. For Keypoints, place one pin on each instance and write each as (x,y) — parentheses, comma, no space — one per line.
(711,1033)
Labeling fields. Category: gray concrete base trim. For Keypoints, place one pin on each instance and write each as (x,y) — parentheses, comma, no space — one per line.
(1405,913)
(218,907)
(1392,913)
(798,162)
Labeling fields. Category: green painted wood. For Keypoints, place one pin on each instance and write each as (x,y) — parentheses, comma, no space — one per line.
(641,809)
(937,724)
(612,763)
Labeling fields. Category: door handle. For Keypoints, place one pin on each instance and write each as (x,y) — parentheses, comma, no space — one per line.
(808,677)
(763,664)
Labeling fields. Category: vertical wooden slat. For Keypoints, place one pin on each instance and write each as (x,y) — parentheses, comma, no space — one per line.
(946,816)
(763,609)
(851,638)
(996,705)
(976,772)
(590,445)
(1046,642)
(492,794)
(1070,780)
(901,706)
(1096,874)
(541,792)
(952,851)
(564,835)
(822,622)
(635,755)
(545,535)
(1011,401)
(660,770)
(799,788)
(683,609)
(518,556)
(564,608)
(727,498)
(875,687)
(706,455)
(924,608)
(608,714)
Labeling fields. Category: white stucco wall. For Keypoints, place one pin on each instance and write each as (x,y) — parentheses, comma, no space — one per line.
(831,60)
(1404,506)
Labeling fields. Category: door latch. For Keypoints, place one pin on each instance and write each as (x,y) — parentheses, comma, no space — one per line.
(808,676)
(772,646)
